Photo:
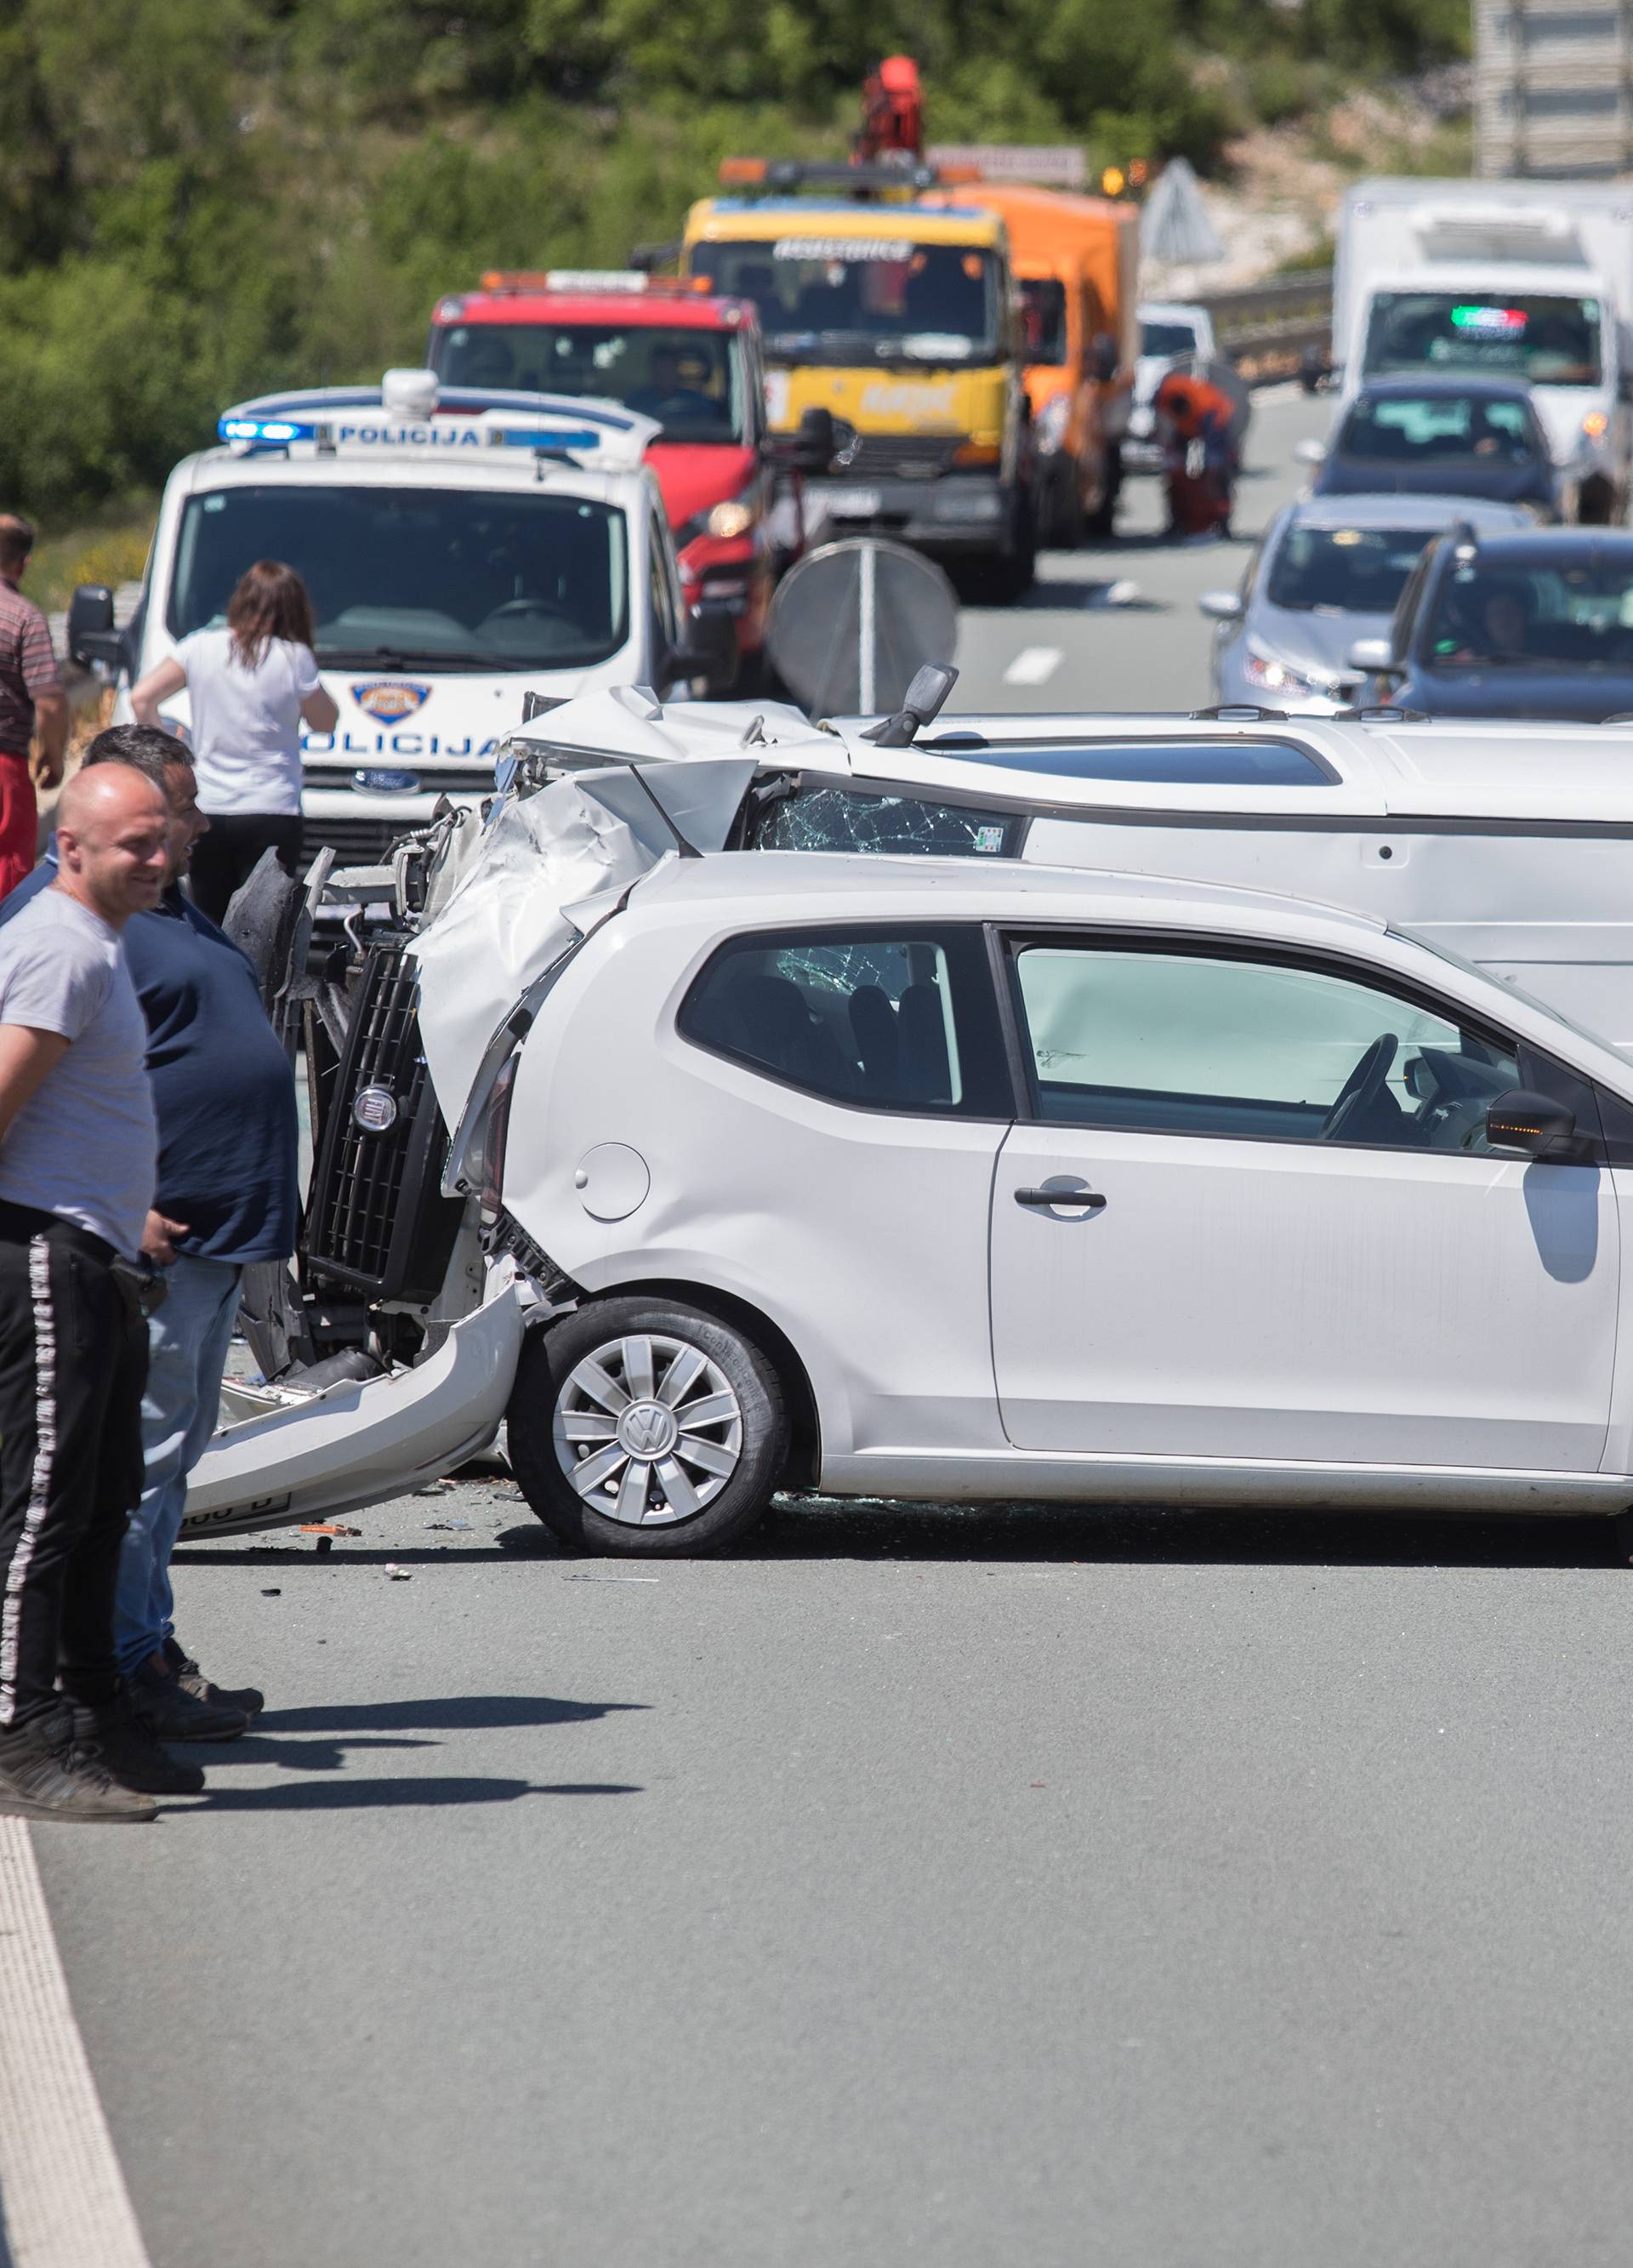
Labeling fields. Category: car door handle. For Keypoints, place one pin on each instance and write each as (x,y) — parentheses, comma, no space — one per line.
(1089,1199)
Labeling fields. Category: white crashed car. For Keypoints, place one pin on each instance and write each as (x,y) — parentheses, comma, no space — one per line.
(933,1178)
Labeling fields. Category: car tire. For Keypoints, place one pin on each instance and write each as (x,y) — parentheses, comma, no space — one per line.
(1012,574)
(642,1505)
(1596,503)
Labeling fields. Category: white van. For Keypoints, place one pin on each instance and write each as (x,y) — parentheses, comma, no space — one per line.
(461,548)
(1508,842)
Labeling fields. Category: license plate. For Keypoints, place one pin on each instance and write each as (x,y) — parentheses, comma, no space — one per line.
(852,503)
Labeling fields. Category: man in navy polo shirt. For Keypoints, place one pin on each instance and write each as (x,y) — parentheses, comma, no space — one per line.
(224,1097)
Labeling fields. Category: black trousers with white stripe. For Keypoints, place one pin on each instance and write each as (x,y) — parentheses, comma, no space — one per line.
(73,1361)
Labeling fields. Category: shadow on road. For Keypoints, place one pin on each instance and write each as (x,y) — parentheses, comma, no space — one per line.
(824,1528)
(1085,594)
(391,1794)
(450,1712)
(1164,1536)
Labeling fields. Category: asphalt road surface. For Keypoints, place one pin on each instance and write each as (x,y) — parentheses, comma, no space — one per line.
(1082,640)
(969,1889)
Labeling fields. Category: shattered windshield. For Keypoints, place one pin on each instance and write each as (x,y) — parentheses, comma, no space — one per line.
(840,819)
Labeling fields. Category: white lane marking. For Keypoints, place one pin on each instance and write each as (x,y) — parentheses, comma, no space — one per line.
(1033,664)
(61,2189)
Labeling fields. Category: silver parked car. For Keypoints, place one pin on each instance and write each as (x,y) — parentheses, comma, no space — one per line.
(1327,570)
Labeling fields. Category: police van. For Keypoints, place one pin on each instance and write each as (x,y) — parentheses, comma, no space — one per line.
(462,548)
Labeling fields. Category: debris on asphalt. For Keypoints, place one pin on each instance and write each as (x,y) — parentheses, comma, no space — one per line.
(612,1578)
(276,1592)
(397,1574)
(329,1527)
(447,1526)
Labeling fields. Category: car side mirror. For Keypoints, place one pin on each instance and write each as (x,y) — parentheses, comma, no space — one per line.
(91,637)
(816,442)
(1103,358)
(1220,606)
(1525,1125)
(1374,655)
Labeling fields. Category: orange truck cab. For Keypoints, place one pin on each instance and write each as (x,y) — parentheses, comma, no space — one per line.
(1075,261)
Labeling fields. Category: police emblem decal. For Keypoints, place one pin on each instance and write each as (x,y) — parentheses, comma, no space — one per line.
(390,699)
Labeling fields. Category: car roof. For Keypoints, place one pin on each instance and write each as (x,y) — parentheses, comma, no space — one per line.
(1394,509)
(475,469)
(1540,546)
(699,311)
(1504,389)
(760,220)
(789,889)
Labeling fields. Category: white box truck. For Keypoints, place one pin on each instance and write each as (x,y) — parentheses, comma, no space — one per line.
(1532,280)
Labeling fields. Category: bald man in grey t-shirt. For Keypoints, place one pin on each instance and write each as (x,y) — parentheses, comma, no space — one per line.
(78,1155)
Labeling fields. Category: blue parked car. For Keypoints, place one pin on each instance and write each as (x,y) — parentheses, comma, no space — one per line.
(1467,436)
(1538,625)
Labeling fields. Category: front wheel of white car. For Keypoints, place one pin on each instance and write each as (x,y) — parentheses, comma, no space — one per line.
(639,1426)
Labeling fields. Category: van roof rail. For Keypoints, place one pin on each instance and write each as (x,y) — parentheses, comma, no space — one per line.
(1244,713)
(1383,712)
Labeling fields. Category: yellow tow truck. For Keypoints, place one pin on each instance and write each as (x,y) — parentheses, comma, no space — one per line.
(899,321)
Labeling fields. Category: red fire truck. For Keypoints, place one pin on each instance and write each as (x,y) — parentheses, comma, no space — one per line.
(689,359)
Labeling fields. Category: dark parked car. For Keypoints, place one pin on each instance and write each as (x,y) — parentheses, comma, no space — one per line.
(1535,625)
(1472,437)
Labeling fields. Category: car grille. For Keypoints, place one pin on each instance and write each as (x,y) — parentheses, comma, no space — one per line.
(354,841)
(901,456)
(429,779)
(377,1218)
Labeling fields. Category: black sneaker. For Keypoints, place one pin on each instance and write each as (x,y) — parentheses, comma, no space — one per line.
(129,1753)
(170,1712)
(247,1698)
(46,1772)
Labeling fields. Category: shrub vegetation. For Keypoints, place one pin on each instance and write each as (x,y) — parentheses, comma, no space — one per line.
(200,199)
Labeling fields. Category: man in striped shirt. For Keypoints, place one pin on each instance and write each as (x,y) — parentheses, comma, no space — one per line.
(32,703)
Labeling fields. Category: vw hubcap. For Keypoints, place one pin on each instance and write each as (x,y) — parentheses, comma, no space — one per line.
(648,1430)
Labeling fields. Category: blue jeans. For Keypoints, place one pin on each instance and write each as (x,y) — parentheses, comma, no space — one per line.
(188,1341)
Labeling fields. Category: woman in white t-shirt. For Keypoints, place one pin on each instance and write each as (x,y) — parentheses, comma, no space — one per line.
(248,687)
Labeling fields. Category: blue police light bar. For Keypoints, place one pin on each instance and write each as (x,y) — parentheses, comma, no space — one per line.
(385,431)
(279,429)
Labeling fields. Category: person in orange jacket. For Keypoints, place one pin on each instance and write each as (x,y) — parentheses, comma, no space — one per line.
(1199,454)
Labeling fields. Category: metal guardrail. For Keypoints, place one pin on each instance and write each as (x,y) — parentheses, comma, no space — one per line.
(1265,327)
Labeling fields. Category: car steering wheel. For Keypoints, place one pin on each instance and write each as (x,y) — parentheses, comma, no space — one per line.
(1362,1088)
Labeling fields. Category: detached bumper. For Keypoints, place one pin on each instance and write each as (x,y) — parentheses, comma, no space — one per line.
(956,515)
(357,1443)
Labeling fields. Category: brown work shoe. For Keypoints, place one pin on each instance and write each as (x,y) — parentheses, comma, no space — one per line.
(249,1698)
(48,1772)
(170,1712)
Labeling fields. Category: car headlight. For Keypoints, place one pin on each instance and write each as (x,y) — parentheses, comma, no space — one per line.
(1273,676)
(1050,422)
(735,515)
(1596,424)
(732,517)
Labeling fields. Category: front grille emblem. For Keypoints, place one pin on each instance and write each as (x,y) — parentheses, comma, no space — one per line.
(375,1110)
